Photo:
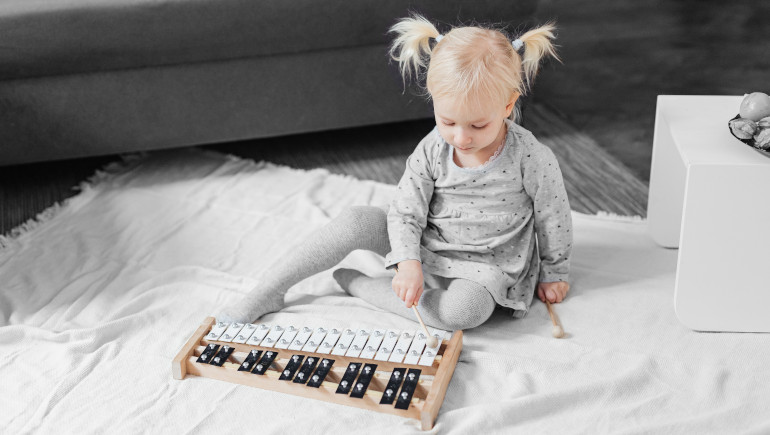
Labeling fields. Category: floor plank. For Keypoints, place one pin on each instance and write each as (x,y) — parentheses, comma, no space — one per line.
(619,55)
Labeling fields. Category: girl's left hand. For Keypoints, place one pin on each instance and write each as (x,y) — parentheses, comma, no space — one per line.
(554,291)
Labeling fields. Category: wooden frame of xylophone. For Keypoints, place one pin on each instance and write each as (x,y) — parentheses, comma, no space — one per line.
(424,406)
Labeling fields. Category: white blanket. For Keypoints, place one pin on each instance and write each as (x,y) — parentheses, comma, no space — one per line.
(97,300)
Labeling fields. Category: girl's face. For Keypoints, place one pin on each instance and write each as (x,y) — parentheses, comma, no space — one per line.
(472,130)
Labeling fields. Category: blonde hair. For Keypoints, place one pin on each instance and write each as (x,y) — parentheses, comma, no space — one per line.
(472,64)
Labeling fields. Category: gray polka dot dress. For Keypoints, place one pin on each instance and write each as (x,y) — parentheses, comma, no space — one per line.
(505,225)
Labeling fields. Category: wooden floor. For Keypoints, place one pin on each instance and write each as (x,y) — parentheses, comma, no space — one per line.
(619,55)
(595,180)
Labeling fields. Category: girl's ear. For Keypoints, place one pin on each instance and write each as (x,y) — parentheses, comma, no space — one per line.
(511,104)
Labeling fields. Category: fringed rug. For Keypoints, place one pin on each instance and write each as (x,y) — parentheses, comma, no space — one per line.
(100,293)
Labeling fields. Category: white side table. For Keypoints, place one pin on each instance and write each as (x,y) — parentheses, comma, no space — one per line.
(710,196)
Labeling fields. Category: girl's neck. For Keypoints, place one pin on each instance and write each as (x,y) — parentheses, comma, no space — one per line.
(483,156)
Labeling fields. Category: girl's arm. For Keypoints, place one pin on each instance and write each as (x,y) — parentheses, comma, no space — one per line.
(407,218)
(553,219)
(408,214)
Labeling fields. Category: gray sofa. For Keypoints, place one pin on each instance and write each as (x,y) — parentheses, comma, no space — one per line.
(96,77)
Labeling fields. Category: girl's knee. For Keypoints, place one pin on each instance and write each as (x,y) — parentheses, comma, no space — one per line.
(465,305)
(365,227)
(472,317)
(477,307)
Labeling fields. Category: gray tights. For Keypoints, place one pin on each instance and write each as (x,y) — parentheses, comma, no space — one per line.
(462,304)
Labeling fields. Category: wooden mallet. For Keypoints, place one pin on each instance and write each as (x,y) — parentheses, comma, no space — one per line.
(557,330)
(431,341)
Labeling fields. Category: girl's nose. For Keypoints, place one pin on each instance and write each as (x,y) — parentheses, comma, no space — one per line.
(462,139)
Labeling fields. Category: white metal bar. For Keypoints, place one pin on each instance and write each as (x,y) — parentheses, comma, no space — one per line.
(344,342)
(402,346)
(429,354)
(358,343)
(258,335)
(301,338)
(287,337)
(388,343)
(217,330)
(329,341)
(245,333)
(315,340)
(273,336)
(373,344)
(415,350)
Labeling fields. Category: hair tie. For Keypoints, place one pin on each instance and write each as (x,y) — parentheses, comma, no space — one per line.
(439,38)
(517,44)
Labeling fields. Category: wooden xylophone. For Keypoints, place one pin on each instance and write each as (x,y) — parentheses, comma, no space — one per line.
(380,370)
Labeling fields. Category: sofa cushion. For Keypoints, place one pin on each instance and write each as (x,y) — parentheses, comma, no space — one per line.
(54,37)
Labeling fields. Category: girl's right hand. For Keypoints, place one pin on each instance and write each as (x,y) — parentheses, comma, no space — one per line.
(408,282)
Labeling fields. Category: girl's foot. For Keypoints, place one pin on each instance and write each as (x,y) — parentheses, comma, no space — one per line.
(346,277)
(253,306)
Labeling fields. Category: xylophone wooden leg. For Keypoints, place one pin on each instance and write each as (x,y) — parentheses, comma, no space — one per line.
(179,365)
(441,381)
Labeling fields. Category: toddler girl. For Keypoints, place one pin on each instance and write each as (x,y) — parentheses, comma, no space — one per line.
(481,217)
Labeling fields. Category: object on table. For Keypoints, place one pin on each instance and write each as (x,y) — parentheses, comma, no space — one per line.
(743,128)
(751,124)
(750,133)
(755,106)
(762,139)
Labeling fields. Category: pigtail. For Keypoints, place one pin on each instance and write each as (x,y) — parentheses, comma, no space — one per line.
(537,44)
(412,45)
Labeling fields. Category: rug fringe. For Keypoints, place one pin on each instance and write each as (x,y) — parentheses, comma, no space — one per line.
(618,217)
(31,224)
(110,170)
(258,164)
